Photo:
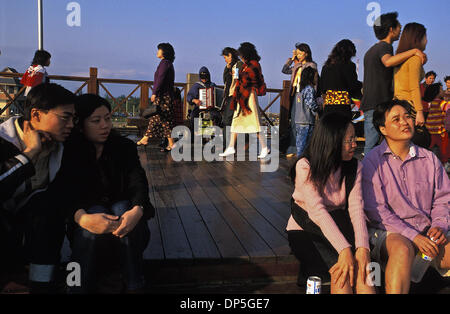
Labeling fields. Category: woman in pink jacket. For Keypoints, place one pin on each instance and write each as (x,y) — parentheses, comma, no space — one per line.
(327,229)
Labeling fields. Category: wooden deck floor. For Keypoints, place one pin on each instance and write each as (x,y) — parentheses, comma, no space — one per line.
(218,214)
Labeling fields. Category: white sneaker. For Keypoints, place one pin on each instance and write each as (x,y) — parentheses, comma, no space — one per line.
(229,151)
(264,152)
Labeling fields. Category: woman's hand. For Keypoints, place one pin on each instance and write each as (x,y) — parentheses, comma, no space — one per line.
(344,268)
(153,98)
(128,221)
(362,257)
(96,223)
(420,119)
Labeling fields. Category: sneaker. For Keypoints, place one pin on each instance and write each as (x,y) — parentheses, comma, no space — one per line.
(229,151)
(264,152)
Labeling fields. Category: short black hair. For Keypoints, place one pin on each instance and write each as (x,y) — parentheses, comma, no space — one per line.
(307,77)
(429,73)
(384,23)
(41,57)
(86,104)
(379,115)
(432,91)
(248,52)
(447,78)
(47,96)
(168,51)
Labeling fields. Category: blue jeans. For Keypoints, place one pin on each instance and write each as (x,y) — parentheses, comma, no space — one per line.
(293,133)
(370,133)
(304,132)
(88,247)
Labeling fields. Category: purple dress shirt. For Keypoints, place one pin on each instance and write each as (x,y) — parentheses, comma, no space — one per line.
(405,197)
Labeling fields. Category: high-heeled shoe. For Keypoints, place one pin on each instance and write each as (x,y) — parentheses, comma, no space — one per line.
(229,151)
(264,152)
(140,143)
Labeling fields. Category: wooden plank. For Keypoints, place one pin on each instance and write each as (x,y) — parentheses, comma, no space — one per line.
(250,239)
(175,243)
(274,238)
(259,198)
(200,240)
(228,244)
(154,250)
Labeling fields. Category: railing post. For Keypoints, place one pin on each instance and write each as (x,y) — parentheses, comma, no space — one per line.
(285,105)
(143,103)
(93,81)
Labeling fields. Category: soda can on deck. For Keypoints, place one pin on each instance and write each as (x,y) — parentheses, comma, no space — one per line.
(313,285)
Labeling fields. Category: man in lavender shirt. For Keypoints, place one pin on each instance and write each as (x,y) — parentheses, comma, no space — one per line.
(406,199)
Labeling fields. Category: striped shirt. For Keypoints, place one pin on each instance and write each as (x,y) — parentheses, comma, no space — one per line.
(436,117)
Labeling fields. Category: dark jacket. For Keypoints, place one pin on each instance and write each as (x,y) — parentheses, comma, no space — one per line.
(194,90)
(117,175)
(228,76)
(16,170)
(340,77)
(164,79)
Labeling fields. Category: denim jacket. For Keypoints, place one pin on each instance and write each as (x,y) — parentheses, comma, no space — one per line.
(306,110)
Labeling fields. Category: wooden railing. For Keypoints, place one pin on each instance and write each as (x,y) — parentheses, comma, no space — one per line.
(93,84)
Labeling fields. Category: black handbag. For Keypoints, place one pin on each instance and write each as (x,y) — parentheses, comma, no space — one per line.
(422,137)
(150,111)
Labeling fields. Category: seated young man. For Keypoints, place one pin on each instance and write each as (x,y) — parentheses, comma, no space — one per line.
(406,196)
(30,157)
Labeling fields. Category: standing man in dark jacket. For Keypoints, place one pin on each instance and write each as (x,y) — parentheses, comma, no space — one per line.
(194,94)
(30,156)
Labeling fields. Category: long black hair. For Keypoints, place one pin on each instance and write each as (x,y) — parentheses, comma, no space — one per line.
(248,52)
(342,53)
(168,51)
(306,49)
(324,151)
(41,57)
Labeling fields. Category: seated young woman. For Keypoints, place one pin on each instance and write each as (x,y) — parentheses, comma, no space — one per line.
(108,198)
(327,230)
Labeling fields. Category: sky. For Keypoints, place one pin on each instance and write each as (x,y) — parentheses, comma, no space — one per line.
(120,37)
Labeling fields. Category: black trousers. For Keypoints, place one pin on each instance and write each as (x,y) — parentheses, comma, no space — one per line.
(34,235)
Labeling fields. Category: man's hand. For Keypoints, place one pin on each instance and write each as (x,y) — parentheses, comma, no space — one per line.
(437,235)
(422,55)
(33,140)
(198,102)
(294,54)
(97,223)
(426,246)
(128,221)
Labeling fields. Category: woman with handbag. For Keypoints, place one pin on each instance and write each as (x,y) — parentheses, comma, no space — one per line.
(161,124)
(407,78)
(327,231)
(250,85)
(339,80)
